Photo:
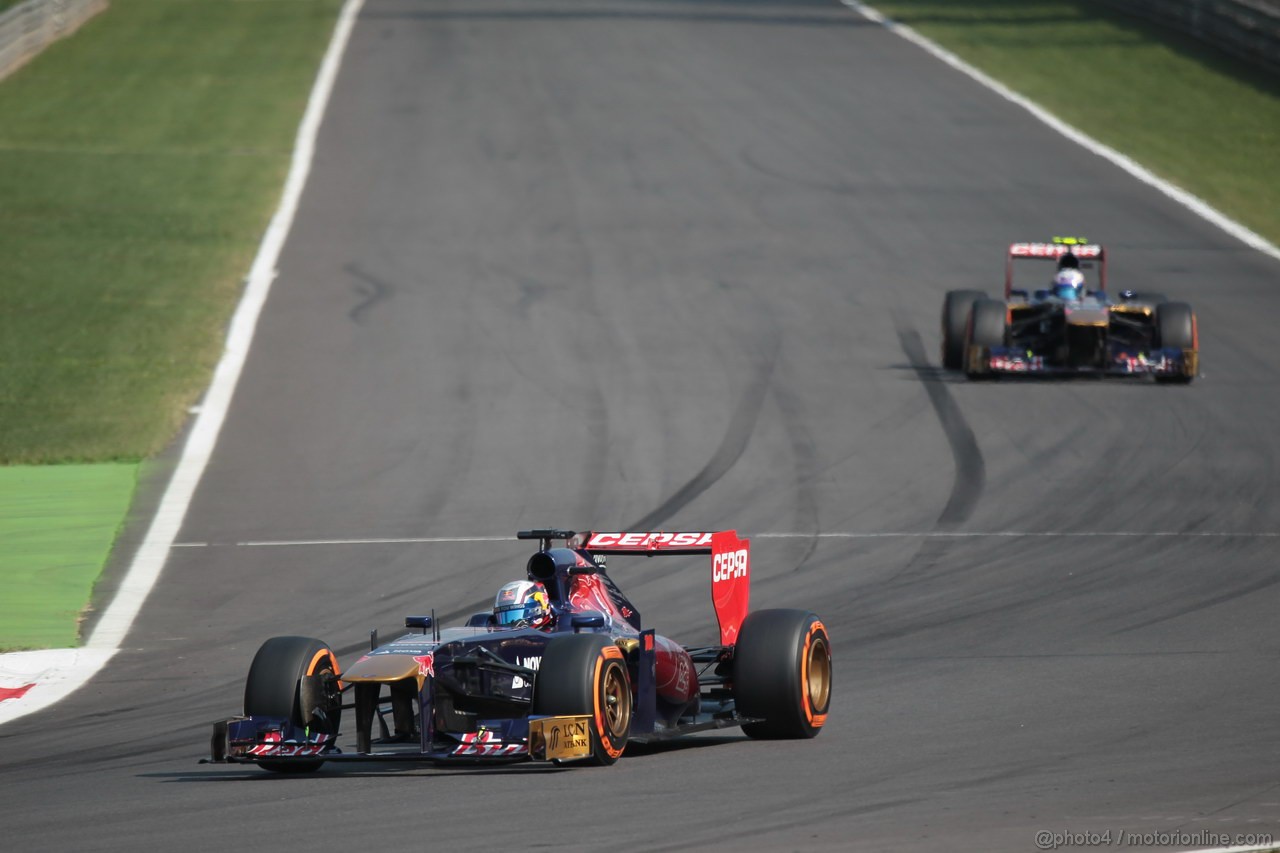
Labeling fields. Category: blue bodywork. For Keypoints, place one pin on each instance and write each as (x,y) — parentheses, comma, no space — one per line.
(478,681)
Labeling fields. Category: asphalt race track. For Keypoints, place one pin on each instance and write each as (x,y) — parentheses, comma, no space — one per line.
(667,264)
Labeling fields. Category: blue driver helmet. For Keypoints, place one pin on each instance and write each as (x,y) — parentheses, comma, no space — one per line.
(1068,284)
(522,604)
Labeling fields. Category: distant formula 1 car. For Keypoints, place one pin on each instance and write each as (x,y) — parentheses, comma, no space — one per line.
(1068,328)
(578,692)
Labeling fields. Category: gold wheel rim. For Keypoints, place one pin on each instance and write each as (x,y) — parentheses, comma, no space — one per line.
(819,682)
(617,700)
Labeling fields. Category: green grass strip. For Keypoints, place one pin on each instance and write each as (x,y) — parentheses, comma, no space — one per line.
(140,161)
(1193,115)
(57,525)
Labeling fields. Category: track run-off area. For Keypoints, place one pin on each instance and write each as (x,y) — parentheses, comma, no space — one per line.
(677,265)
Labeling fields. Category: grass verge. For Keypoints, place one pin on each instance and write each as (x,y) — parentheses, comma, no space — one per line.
(57,523)
(140,161)
(1197,117)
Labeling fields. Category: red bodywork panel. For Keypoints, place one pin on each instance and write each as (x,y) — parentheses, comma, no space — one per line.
(730,582)
(730,566)
(673,668)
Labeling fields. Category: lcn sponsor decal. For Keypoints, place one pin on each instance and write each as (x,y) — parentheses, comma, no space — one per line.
(569,736)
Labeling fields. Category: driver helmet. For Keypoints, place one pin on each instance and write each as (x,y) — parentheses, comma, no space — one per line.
(1068,284)
(522,604)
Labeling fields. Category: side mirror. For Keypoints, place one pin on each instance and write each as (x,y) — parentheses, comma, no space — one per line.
(587,619)
(423,622)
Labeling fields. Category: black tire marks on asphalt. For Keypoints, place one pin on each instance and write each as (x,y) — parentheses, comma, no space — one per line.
(970,467)
(372,290)
(741,425)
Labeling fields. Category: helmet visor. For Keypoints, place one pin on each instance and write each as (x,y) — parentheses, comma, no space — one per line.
(1066,291)
(512,614)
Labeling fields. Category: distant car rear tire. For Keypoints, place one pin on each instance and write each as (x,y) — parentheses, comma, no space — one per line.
(782,674)
(587,674)
(273,689)
(955,318)
(1175,327)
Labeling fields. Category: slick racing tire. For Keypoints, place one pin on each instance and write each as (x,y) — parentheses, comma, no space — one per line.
(955,318)
(274,689)
(587,674)
(1175,327)
(986,328)
(782,674)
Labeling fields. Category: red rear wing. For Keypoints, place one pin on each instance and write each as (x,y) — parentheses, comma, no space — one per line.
(730,566)
(1052,252)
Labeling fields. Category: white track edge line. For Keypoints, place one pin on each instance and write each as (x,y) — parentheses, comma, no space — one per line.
(1191,202)
(148,562)
(898,534)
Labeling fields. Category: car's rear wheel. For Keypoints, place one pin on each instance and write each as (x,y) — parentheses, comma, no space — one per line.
(1176,328)
(955,318)
(275,688)
(586,674)
(782,674)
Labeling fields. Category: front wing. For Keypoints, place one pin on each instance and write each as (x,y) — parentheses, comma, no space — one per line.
(1123,361)
(250,740)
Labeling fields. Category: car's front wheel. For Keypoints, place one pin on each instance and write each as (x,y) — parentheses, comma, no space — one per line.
(987,328)
(955,318)
(1176,328)
(586,674)
(275,689)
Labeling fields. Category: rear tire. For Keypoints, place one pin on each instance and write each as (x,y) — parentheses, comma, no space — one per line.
(782,674)
(1175,327)
(955,319)
(273,689)
(986,328)
(587,674)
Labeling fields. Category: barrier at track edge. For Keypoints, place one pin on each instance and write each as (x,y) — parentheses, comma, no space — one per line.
(1249,29)
(31,26)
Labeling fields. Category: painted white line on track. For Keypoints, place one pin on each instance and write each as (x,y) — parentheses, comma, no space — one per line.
(62,671)
(1027,534)
(1193,203)
(904,534)
(428,540)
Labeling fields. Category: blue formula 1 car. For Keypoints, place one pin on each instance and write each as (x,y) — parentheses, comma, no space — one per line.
(579,689)
(1070,326)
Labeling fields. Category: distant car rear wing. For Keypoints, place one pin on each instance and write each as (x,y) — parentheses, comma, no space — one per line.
(1054,252)
(730,562)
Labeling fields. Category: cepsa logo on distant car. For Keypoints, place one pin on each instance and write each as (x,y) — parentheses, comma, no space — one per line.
(729,565)
(649,540)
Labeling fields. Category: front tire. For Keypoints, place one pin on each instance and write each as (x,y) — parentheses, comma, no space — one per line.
(986,328)
(587,674)
(782,674)
(274,689)
(955,318)
(1176,328)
